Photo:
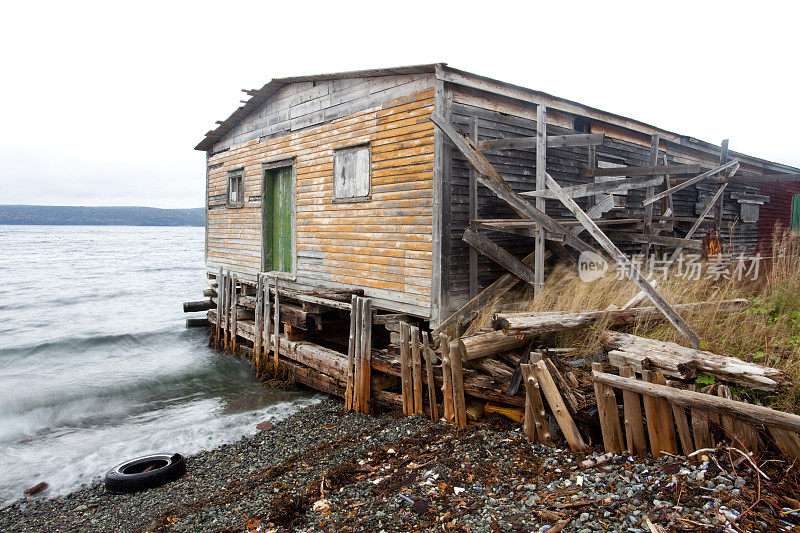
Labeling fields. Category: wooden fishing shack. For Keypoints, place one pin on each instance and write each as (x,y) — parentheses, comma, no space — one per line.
(398,202)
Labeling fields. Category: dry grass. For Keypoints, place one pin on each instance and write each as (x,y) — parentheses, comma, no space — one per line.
(767,333)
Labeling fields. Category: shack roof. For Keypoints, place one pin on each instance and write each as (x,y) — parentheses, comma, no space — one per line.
(474,81)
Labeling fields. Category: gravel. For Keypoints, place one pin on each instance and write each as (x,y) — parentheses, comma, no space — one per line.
(324,469)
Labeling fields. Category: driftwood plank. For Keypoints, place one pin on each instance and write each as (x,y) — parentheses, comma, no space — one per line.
(666,422)
(557,406)
(680,362)
(609,415)
(634,425)
(535,424)
(653,420)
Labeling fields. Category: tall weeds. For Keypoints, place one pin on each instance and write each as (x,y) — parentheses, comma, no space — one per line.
(767,333)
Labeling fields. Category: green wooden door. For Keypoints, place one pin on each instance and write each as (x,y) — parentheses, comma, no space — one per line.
(278,212)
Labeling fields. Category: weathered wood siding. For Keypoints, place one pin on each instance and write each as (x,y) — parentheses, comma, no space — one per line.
(499,117)
(382,245)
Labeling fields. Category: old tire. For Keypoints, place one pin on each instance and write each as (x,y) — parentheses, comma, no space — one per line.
(145,472)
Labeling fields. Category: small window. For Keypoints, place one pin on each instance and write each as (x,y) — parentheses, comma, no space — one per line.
(351,174)
(235,188)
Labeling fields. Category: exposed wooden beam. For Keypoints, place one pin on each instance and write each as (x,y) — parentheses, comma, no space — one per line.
(762,178)
(692,181)
(498,255)
(553,141)
(490,178)
(541,172)
(661,240)
(655,170)
(603,187)
(630,270)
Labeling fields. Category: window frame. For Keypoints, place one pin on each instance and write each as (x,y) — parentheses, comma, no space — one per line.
(353,148)
(237,174)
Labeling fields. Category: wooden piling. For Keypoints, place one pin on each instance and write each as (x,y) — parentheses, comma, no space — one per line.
(225,308)
(219,309)
(406,380)
(416,362)
(459,402)
(234,307)
(447,388)
(277,329)
(259,324)
(426,351)
(267,320)
(365,359)
(352,348)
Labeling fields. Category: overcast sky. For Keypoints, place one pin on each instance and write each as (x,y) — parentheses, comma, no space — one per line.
(102,103)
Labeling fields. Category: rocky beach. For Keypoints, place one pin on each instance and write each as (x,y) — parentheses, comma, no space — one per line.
(322,469)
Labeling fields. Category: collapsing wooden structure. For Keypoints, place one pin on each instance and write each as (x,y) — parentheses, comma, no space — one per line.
(402,202)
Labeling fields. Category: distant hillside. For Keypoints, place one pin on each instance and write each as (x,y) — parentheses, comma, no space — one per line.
(57,215)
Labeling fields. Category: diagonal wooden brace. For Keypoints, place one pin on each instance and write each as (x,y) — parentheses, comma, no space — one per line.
(630,269)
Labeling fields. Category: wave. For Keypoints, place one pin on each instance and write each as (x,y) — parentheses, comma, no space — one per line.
(81,343)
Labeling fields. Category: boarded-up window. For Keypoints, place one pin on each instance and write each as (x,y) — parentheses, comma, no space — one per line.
(351,173)
(236,188)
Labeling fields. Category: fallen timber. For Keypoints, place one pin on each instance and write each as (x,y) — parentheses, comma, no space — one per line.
(515,330)
(680,362)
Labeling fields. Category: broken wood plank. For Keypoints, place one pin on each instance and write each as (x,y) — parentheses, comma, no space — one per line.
(630,269)
(557,406)
(457,373)
(632,411)
(656,170)
(553,141)
(684,363)
(754,414)
(684,433)
(535,423)
(426,351)
(609,415)
(692,181)
(447,387)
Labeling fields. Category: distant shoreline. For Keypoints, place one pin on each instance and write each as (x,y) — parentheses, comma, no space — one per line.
(41,215)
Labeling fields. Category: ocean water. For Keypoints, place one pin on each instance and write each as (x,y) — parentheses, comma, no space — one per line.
(96,364)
